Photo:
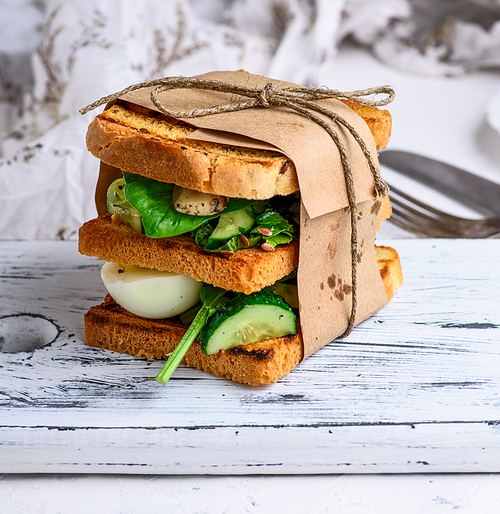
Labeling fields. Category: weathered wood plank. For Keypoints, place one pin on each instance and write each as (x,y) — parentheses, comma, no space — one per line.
(418,382)
(248,450)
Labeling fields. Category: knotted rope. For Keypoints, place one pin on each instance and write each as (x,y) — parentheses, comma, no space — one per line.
(301,100)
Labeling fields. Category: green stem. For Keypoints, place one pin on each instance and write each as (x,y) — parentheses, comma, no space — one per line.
(177,355)
(212,296)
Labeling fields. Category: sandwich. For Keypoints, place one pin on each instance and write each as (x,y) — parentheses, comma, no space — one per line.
(203,238)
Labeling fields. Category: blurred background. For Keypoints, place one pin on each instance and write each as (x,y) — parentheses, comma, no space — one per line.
(441,56)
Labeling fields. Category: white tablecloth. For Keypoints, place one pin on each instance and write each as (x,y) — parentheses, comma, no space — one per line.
(56,57)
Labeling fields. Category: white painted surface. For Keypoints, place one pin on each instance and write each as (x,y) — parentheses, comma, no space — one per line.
(324,494)
(416,388)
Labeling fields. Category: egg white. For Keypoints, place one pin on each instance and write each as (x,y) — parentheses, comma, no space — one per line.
(150,293)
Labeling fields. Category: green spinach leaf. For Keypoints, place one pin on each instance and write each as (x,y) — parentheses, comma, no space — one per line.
(153,200)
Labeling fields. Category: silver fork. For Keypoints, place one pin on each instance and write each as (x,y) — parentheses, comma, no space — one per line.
(426,221)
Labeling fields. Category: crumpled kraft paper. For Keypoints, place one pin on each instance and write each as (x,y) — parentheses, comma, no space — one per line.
(324,270)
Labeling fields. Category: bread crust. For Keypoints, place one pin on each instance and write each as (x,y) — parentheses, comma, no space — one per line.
(110,327)
(247,271)
(390,269)
(132,140)
(138,140)
(379,121)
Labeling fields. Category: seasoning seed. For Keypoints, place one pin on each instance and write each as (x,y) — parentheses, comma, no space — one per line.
(284,168)
(226,253)
(267,247)
(265,231)
(245,240)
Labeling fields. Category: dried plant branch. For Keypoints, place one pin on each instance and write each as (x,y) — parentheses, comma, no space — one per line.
(45,51)
(10,91)
(90,36)
(184,44)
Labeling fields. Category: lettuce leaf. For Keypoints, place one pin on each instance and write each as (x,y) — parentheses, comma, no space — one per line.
(282,230)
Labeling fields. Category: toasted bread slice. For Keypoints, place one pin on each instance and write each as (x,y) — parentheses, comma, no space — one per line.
(138,140)
(379,121)
(110,327)
(390,270)
(246,271)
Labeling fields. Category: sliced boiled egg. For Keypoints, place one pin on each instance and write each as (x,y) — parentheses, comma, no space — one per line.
(150,293)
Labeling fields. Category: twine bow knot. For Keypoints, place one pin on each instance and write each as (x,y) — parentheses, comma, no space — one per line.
(299,99)
(266,95)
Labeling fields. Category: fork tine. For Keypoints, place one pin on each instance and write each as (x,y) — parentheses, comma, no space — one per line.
(407,222)
(443,216)
(416,221)
(427,221)
(420,222)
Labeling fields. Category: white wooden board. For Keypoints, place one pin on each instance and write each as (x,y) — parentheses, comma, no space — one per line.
(416,388)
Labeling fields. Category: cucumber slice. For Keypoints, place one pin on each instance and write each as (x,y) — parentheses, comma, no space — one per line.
(118,204)
(233,223)
(247,319)
(288,292)
(115,194)
(128,216)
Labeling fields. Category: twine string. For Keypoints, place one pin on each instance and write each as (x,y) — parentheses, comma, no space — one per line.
(299,99)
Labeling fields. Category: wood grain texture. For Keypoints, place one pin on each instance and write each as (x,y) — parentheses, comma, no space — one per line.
(416,388)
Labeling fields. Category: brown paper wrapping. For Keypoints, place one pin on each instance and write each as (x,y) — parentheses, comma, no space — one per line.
(324,272)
